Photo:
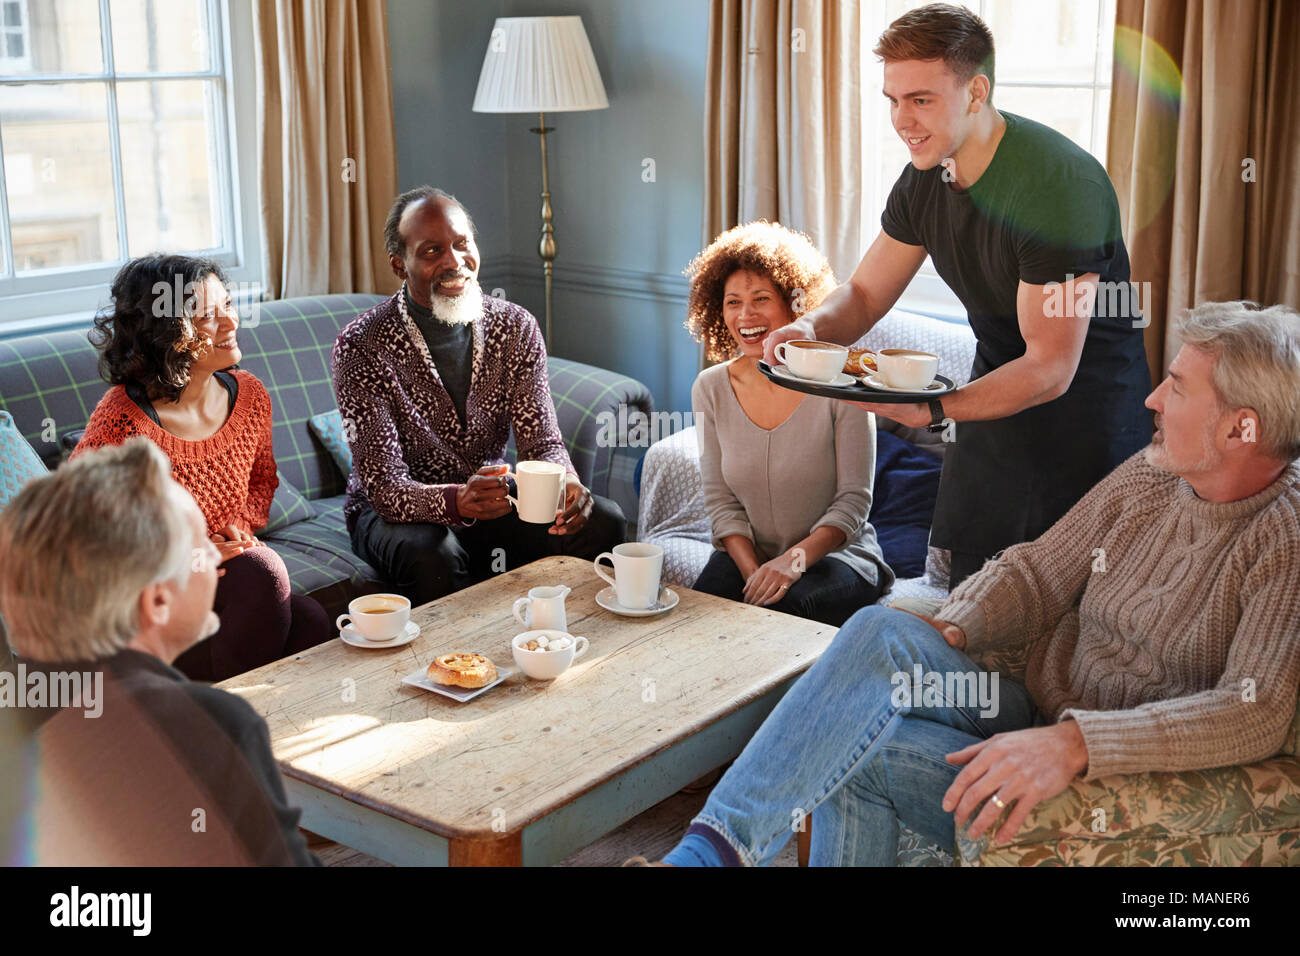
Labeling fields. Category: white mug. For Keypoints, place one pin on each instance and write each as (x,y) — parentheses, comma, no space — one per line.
(376,617)
(901,368)
(818,361)
(543,609)
(637,569)
(541,491)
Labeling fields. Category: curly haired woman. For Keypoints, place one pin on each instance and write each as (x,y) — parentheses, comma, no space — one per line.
(787,476)
(166,346)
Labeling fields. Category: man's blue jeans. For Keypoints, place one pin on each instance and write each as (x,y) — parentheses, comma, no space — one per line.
(859,754)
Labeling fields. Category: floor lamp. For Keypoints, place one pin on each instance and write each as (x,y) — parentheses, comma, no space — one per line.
(540,65)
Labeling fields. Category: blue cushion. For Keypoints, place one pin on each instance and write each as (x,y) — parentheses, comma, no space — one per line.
(19,463)
(902,505)
(287,507)
(328,427)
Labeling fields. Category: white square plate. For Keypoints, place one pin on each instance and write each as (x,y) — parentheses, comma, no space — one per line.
(421,680)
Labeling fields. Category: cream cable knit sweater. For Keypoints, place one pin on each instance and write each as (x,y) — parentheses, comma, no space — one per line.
(1184,652)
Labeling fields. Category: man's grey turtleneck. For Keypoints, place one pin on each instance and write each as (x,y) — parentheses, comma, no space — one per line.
(451,346)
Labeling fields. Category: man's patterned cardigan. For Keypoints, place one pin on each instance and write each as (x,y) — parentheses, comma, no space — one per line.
(410,450)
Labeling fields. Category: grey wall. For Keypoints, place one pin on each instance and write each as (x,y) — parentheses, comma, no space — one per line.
(619,297)
(437,49)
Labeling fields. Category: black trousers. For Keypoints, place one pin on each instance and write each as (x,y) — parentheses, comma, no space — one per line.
(830,591)
(424,562)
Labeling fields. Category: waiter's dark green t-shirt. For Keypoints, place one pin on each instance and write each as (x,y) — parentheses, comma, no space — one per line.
(1043,211)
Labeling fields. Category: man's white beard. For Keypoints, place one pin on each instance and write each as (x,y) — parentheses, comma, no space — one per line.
(1158,456)
(458,309)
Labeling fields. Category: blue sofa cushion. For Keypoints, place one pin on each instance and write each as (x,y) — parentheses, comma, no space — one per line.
(902,505)
(19,464)
(328,427)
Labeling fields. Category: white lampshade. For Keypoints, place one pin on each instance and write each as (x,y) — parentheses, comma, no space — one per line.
(539,65)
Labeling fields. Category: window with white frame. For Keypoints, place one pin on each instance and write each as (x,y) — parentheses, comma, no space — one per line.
(116,131)
(15,46)
(1052,64)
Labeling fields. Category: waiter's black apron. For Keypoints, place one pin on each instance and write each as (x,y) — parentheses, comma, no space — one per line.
(1008,480)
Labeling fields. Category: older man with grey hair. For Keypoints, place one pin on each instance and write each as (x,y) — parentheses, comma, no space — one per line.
(1146,610)
(106,576)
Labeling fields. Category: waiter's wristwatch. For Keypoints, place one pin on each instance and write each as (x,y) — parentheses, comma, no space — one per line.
(937,417)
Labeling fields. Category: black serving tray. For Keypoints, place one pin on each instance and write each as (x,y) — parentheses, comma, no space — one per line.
(858,392)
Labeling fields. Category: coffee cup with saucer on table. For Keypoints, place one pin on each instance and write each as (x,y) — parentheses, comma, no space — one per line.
(378,620)
(635,587)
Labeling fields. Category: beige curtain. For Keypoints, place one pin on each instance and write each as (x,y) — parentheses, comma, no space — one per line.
(783,121)
(326,143)
(1203,145)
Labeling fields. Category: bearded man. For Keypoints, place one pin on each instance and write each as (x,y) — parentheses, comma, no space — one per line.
(429,384)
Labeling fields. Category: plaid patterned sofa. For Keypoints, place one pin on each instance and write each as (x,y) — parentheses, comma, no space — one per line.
(50,384)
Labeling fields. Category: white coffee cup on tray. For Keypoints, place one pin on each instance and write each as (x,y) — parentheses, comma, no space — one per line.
(815,361)
(376,617)
(541,490)
(637,570)
(543,609)
(901,368)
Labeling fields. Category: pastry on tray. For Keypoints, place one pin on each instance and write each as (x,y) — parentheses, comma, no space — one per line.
(853,364)
(462,670)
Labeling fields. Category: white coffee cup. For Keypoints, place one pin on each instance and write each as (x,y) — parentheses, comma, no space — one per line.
(376,617)
(637,569)
(818,361)
(901,368)
(543,609)
(546,665)
(541,490)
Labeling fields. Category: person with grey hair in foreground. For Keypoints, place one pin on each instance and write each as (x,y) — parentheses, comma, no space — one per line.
(106,576)
(1138,662)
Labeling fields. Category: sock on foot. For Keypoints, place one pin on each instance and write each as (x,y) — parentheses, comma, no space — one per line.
(701,846)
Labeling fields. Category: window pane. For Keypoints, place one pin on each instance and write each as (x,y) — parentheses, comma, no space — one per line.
(168,167)
(160,36)
(1066,111)
(58,171)
(59,36)
(1044,40)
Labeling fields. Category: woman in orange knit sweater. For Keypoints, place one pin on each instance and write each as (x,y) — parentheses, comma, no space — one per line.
(168,348)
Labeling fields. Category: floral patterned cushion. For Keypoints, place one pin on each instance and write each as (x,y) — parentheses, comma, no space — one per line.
(1229,816)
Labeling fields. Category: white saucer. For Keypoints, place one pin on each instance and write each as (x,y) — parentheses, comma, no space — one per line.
(840,378)
(421,680)
(606,599)
(356,640)
(872,380)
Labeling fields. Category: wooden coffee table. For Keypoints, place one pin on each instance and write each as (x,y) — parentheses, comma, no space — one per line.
(529,771)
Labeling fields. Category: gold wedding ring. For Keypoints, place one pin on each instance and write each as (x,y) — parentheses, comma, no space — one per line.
(998,802)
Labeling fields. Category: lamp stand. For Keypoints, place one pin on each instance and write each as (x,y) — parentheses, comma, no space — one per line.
(546,246)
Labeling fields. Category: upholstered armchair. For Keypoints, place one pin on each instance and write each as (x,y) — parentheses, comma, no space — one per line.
(1227,816)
